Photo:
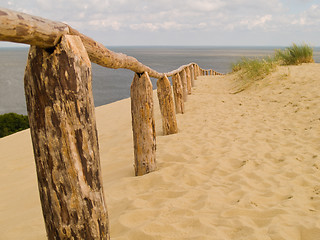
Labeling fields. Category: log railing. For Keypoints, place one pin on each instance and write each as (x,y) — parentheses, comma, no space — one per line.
(62,118)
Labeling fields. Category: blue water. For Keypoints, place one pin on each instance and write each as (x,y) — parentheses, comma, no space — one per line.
(110,85)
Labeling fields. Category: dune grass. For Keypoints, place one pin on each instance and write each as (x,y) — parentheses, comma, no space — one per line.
(250,70)
(296,54)
(254,68)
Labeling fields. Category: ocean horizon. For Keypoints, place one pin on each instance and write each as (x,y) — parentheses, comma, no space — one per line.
(110,85)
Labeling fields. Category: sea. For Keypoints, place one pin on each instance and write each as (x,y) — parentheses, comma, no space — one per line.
(110,85)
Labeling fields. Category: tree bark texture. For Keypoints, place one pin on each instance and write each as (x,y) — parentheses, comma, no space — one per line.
(178,93)
(65,141)
(189,86)
(183,77)
(143,126)
(169,122)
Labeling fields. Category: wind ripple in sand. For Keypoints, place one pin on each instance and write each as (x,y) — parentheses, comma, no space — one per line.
(242,166)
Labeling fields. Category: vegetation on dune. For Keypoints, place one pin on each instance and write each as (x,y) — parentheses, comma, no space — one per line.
(295,55)
(11,123)
(254,69)
(250,70)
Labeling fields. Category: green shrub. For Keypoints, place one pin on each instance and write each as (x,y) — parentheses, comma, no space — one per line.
(11,123)
(296,54)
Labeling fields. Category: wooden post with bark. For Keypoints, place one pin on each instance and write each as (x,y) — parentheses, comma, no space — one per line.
(169,122)
(192,75)
(189,85)
(183,77)
(143,126)
(65,141)
(178,93)
(196,71)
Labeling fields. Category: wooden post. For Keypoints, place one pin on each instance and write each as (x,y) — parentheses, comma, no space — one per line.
(196,73)
(189,86)
(169,122)
(183,77)
(143,127)
(65,141)
(192,71)
(178,93)
(211,72)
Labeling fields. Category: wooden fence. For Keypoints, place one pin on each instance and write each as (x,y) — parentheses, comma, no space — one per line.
(62,118)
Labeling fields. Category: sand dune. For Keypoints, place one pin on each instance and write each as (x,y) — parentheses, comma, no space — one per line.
(243,166)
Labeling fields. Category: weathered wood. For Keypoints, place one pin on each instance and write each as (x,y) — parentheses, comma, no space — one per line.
(99,54)
(178,93)
(164,91)
(189,85)
(143,127)
(24,28)
(183,77)
(170,74)
(192,71)
(196,72)
(65,141)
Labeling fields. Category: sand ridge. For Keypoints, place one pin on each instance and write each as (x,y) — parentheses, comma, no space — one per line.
(243,166)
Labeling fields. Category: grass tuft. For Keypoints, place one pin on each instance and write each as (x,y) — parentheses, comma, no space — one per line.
(294,55)
(250,70)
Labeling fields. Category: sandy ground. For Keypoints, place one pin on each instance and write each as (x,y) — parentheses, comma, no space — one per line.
(243,166)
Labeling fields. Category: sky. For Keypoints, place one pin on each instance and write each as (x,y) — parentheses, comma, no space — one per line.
(184,22)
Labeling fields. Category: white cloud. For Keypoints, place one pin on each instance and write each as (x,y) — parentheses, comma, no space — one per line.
(144,26)
(206,5)
(180,17)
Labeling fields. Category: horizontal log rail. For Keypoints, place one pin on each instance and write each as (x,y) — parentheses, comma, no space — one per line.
(62,120)
(24,28)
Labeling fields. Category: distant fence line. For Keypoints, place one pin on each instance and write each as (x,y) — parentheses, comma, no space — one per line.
(62,118)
